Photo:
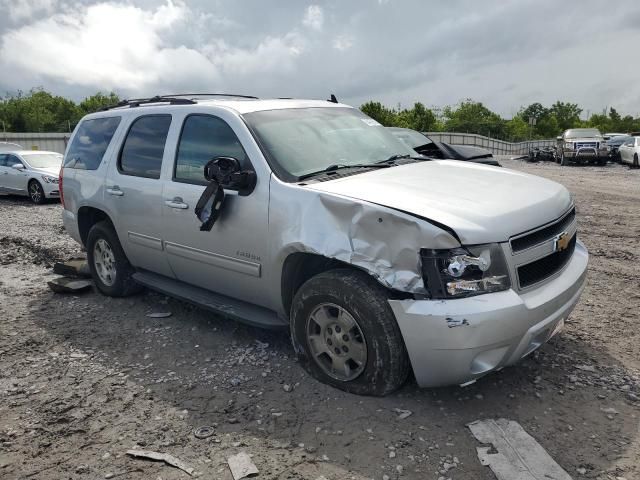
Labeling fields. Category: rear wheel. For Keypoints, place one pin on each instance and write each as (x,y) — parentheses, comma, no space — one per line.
(36,192)
(635,161)
(346,335)
(110,269)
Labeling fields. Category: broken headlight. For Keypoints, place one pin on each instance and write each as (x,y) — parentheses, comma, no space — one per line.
(464,272)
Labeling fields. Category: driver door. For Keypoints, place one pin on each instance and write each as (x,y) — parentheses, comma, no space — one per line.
(16,180)
(228,259)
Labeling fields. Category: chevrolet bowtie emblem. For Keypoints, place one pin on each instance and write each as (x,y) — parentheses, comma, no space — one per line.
(562,242)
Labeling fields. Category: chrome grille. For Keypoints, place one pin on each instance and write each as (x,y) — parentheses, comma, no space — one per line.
(528,240)
(535,256)
(538,270)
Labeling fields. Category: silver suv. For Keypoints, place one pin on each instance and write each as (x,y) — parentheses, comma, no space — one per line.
(309,215)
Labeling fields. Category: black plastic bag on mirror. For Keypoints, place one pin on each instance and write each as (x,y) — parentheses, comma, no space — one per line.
(209,205)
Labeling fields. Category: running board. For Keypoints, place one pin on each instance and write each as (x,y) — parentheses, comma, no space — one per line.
(230,307)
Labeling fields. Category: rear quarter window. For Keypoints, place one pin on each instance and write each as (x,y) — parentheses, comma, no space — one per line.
(90,142)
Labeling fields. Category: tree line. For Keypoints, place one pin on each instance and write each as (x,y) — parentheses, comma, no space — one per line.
(470,116)
(41,111)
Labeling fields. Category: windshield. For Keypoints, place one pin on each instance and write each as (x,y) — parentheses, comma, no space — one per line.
(583,132)
(410,138)
(44,160)
(300,141)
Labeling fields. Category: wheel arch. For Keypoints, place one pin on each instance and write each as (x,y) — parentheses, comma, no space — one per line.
(87,218)
(298,267)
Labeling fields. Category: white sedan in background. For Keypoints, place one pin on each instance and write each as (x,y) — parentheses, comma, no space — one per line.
(30,172)
(630,151)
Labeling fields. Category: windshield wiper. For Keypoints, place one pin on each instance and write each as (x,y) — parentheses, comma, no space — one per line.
(391,160)
(336,166)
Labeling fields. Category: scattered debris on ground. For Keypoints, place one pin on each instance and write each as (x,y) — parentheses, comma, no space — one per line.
(514,454)
(161,457)
(242,466)
(69,285)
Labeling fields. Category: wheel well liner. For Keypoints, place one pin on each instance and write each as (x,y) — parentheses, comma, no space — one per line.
(87,218)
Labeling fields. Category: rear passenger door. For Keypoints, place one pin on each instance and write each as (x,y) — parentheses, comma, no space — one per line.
(133,192)
(228,259)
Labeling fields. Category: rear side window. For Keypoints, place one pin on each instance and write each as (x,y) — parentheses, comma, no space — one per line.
(142,151)
(203,138)
(90,142)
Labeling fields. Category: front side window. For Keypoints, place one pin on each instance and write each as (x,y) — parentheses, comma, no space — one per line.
(90,142)
(299,141)
(3,160)
(143,149)
(13,160)
(204,138)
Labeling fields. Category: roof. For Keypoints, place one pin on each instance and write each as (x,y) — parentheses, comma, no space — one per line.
(241,106)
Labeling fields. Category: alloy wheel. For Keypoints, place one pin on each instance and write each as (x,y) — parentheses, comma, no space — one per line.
(104,262)
(336,342)
(35,192)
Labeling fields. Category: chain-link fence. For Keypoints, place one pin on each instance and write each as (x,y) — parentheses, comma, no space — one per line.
(497,147)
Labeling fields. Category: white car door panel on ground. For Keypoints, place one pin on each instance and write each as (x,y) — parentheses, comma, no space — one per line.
(133,192)
(227,259)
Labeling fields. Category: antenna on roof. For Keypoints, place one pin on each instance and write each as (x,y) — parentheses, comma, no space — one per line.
(333,99)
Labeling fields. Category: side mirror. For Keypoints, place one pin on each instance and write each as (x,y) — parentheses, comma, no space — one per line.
(18,166)
(221,172)
(559,139)
(228,173)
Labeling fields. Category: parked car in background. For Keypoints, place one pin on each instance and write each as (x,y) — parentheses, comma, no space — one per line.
(629,151)
(429,148)
(614,144)
(608,136)
(581,145)
(310,216)
(8,146)
(30,172)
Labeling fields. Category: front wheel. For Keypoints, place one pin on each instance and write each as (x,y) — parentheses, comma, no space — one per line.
(563,160)
(635,162)
(110,269)
(36,192)
(345,334)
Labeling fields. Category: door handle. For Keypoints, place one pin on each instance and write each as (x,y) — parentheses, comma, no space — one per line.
(176,202)
(115,190)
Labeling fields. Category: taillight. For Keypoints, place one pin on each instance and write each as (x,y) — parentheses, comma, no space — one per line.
(60,185)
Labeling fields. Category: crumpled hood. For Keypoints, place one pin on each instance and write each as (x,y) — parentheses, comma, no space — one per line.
(480,203)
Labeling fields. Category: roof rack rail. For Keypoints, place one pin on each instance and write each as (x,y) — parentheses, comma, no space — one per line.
(136,102)
(211,95)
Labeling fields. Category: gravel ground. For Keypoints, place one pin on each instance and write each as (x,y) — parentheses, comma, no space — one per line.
(84,378)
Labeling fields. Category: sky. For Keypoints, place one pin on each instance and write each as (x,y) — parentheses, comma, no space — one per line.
(506,54)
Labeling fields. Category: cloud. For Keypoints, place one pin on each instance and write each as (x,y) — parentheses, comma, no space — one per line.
(25,9)
(313,17)
(505,54)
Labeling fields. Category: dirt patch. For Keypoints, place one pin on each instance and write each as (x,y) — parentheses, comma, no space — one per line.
(85,378)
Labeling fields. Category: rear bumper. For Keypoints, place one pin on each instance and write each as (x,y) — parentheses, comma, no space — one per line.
(457,341)
(71,225)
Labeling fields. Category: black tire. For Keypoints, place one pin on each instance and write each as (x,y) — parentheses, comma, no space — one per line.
(36,192)
(563,160)
(387,365)
(123,285)
(602,162)
(635,161)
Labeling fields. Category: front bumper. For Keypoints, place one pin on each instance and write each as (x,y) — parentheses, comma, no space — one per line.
(586,153)
(457,341)
(51,190)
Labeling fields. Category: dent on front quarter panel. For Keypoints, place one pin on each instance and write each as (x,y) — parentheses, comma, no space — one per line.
(382,241)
